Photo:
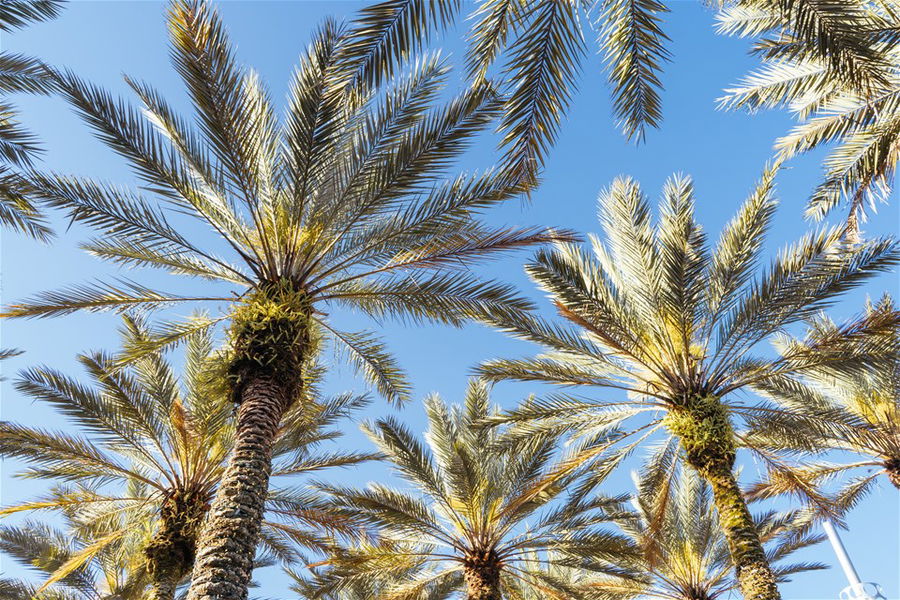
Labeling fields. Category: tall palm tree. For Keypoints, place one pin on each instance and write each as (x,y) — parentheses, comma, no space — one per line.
(347,204)
(833,410)
(18,148)
(860,116)
(661,316)
(478,512)
(151,456)
(107,574)
(684,554)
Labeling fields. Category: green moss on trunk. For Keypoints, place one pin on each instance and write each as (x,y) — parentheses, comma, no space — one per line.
(270,336)
(754,574)
(707,437)
(170,553)
(706,434)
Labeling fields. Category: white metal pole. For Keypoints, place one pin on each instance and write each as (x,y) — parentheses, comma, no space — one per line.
(842,556)
(857,590)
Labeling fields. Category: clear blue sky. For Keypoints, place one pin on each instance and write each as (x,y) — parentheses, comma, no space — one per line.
(724,152)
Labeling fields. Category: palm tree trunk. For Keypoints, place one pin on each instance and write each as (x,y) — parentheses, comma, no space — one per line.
(482,585)
(163,589)
(170,553)
(270,340)
(228,542)
(481,570)
(755,577)
(707,437)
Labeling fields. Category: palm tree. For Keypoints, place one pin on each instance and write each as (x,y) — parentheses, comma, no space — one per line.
(479,512)
(19,73)
(830,409)
(659,315)
(107,574)
(345,205)
(152,456)
(861,114)
(684,554)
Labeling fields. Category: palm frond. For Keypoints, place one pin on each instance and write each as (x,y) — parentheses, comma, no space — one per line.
(18,209)
(385,34)
(20,73)
(372,359)
(543,61)
(15,14)
(99,296)
(634,48)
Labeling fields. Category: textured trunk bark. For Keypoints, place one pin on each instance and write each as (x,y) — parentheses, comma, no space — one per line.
(163,589)
(707,437)
(481,570)
(754,574)
(482,584)
(228,542)
(170,553)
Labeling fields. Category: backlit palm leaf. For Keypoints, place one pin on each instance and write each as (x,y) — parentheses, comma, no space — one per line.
(833,408)
(832,64)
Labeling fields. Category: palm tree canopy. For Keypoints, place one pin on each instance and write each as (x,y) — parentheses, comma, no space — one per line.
(539,49)
(96,569)
(831,409)
(150,450)
(654,311)
(346,202)
(541,46)
(848,97)
(476,505)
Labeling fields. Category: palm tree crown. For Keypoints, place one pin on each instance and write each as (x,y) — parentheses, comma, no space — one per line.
(831,409)
(849,98)
(675,324)
(480,514)
(154,453)
(345,203)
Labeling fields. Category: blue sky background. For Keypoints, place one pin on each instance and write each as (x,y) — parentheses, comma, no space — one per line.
(724,152)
